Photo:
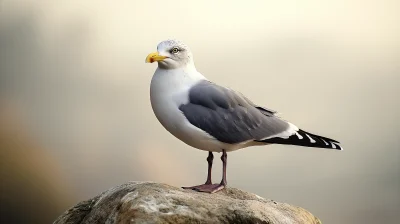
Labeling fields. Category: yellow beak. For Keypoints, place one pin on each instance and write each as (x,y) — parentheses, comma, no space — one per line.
(154,57)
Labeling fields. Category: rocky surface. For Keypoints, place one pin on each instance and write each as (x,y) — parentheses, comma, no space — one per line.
(146,202)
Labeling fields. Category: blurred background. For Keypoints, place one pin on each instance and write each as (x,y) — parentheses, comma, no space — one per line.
(75,114)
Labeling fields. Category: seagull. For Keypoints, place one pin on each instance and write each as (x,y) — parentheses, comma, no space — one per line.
(214,118)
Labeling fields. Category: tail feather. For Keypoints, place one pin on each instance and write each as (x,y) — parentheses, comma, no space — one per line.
(303,138)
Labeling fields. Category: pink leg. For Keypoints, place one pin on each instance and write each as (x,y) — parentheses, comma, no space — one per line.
(208,186)
(210,159)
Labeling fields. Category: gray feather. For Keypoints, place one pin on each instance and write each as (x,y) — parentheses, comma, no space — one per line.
(229,116)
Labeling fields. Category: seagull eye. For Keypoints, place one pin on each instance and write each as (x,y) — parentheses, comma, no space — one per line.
(174,50)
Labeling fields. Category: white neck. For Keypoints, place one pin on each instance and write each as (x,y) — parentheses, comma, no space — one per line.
(169,87)
(185,76)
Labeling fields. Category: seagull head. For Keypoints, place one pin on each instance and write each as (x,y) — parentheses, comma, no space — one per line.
(171,54)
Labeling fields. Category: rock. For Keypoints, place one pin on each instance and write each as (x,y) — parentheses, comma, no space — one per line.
(146,202)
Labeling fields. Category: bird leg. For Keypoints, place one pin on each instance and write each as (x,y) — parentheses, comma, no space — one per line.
(224,159)
(210,159)
(212,188)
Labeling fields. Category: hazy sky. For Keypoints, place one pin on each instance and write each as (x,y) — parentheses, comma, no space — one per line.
(73,75)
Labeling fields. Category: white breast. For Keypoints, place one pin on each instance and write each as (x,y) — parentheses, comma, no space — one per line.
(169,89)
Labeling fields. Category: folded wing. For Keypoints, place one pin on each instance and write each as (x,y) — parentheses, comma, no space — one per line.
(231,118)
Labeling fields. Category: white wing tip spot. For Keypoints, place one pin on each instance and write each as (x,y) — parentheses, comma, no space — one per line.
(337,146)
(298,135)
(311,140)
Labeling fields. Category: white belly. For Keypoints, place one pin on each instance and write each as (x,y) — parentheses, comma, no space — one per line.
(169,90)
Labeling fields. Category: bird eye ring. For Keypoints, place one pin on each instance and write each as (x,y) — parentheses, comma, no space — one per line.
(175,50)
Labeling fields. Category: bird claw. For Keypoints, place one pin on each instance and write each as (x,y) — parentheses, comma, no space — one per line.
(208,188)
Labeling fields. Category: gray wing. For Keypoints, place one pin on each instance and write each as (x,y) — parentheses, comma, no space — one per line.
(229,116)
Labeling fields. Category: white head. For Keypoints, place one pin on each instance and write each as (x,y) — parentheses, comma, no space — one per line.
(171,54)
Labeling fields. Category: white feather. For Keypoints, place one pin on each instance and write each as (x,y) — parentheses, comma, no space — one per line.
(298,135)
(291,130)
(311,139)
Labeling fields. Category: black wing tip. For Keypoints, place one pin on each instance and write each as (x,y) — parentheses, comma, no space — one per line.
(318,136)
(306,139)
